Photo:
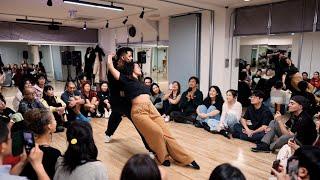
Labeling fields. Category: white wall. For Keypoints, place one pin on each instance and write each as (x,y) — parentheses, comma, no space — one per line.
(11,53)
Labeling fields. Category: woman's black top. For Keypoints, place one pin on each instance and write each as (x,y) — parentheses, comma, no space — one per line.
(132,87)
(50,156)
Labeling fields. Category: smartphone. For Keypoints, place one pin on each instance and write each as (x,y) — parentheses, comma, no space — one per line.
(17,143)
(28,141)
(293,168)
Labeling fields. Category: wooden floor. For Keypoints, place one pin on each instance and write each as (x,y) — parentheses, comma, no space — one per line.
(209,150)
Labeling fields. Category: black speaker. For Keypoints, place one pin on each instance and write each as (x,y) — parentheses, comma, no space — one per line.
(66,58)
(25,54)
(76,58)
(142,57)
(40,55)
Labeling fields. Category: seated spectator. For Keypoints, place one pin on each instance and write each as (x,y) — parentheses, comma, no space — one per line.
(80,159)
(171,100)
(42,123)
(210,110)
(5,111)
(35,158)
(38,87)
(315,81)
(81,80)
(29,101)
(55,105)
(244,90)
(305,76)
(299,123)
(142,167)
(256,78)
(91,100)
(189,102)
(148,81)
(25,83)
(231,114)
(104,101)
(255,121)
(226,172)
(156,97)
(307,161)
(312,109)
(278,97)
(74,101)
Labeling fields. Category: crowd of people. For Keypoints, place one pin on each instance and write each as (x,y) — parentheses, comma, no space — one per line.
(276,108)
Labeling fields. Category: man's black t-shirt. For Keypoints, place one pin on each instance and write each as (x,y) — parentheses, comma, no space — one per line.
(50,156)
(258,117)
(304,128)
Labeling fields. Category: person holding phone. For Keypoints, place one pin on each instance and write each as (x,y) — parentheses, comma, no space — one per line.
(34,158)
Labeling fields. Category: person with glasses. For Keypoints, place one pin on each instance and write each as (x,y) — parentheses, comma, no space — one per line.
(29,101)
(253,125)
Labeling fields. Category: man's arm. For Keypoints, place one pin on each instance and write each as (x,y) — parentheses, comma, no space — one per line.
(282,126)
(112,70)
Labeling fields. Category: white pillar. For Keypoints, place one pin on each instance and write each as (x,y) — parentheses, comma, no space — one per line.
(35,54)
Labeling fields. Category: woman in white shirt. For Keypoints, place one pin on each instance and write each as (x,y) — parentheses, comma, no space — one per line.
(231,113)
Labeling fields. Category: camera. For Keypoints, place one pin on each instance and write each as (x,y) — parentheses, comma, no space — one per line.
(20,140)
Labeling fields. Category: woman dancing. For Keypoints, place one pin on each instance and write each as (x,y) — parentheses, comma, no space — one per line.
(147,119)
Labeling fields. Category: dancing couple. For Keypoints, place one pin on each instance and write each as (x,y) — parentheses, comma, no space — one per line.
(147,119)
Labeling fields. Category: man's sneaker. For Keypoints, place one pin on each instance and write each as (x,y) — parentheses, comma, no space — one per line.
(167,119)
(151,155)
(194,165)
(225,133)
(107,139)
(206,126)
(261,147)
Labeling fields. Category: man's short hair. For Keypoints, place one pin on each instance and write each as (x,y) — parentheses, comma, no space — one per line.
(258,93)
(147,78)
(305,73)
(122,51)
(195,78)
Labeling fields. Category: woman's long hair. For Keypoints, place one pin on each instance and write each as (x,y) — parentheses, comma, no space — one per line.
(81,148)
(219,98)
(178,91)
(51,100)
(151,89)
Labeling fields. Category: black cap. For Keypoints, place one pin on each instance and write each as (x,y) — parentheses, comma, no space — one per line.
(304,102)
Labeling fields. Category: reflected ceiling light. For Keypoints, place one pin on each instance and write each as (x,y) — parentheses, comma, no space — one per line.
(247,0)
(96,5)
(107,25)
(142,14)
(125,21)
(49,2)
(85,26)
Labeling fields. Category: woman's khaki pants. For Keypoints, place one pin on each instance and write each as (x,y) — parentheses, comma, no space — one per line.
(153,128)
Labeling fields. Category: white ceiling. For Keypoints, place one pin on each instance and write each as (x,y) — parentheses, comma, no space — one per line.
(96,18)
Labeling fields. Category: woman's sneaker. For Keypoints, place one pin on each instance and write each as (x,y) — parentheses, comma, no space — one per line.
(194,165)
(107,139)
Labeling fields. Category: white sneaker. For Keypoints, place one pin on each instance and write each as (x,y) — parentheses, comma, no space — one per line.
(152,156)
(167,119)
(107,139)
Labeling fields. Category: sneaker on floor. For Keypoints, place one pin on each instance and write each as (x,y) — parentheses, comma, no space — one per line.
(166,163)
(261,147)
(167,119)
(225,133)
(151,155)
(107,139)
(198,124)
(206,126)
(194,165)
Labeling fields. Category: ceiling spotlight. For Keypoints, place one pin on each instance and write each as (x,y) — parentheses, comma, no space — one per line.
(125,21)
(142,14)
(247,0)
(49,2)
(85,26)
(107,25)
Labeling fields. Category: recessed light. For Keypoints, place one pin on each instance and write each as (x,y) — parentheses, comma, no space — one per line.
(247,0)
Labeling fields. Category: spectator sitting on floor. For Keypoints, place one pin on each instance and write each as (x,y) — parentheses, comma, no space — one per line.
(210,111)
(42,123)
(19,96)
(29,101)
(91,100)
(74,102)
(226,172)
(156,97)
(38,87)
(171,100)
(255,121)
(148,81)
(104,101)
(189,102)
(300,125)
(55,105)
